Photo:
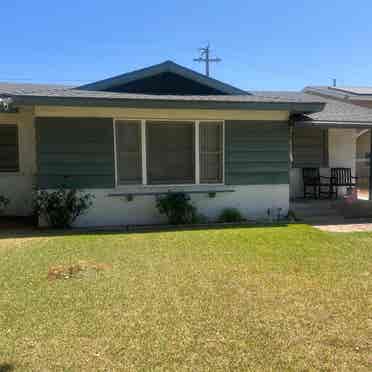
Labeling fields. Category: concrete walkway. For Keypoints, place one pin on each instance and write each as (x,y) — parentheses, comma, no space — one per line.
(347,227)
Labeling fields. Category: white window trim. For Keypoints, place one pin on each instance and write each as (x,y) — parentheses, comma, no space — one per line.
(144,153)
(115,153)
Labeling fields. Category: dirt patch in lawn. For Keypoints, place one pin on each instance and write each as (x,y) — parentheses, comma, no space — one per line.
(76,270)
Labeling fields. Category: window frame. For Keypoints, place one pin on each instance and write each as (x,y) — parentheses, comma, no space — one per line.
(116,161)
(222,123)
(143,126)
(18,170)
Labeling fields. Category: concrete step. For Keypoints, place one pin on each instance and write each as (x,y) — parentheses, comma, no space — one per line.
(323,220)
(315,209)
(310,213)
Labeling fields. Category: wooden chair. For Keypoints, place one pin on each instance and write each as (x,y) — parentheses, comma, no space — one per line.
(313,180)
(341,177)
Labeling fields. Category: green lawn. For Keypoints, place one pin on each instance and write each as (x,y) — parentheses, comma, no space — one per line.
(257,299)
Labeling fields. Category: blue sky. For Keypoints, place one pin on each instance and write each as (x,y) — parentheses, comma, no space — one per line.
(264,44)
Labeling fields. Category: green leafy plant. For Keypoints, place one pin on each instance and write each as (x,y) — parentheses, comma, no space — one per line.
(291,216)
(230,215)
(62,207)
(177,207)
(4,202)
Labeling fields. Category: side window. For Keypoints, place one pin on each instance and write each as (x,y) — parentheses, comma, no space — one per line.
(128,152)
(211,152)
(9,157)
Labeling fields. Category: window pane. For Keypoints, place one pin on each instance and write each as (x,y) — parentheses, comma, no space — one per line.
(9,148)
(310,147)
(128,149)
(211,152)
(170,152)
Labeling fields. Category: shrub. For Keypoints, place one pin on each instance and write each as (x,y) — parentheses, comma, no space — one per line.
(230,215)
(62,207)
(177,207)
(4,201)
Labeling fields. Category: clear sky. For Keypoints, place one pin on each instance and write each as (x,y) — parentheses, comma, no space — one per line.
(273,44)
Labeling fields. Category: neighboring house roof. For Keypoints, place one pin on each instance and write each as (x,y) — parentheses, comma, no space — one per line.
(343,93)
(61,95)
(336,113)
(165,67)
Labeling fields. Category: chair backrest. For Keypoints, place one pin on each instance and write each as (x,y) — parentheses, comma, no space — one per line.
(310,174)
(341,176)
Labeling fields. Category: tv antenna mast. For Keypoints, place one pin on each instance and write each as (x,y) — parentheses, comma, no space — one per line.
(205,57)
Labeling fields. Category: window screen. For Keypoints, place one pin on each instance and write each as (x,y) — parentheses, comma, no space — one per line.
(128,150)
(9,159)
(170,152)
(310,147)
(211,152)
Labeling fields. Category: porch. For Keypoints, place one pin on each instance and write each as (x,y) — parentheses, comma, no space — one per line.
(332,212)
(325,147)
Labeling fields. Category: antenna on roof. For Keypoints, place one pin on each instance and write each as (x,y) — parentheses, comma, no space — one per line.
(334,83)
(205,57)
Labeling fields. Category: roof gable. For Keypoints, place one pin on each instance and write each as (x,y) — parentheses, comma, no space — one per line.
(164,78)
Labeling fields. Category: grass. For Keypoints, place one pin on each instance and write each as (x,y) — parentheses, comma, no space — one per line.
(255,299)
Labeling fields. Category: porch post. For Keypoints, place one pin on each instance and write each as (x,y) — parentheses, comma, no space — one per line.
(291,135)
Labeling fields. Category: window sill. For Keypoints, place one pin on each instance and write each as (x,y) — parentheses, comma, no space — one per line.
(10,173)
(130,195)
(150,186)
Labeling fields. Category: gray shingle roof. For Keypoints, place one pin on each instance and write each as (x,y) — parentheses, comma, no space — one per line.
(334,110)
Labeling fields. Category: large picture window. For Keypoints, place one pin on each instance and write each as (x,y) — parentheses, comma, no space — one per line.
(9,158)
(128,152)
(170,152)
(159,152)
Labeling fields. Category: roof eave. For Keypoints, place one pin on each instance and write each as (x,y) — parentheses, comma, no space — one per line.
(333,124)
(292,107)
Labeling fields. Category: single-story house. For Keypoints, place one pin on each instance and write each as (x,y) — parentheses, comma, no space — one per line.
(128,138)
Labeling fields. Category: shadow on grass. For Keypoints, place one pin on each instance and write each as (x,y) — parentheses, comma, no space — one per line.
(6,367)
(33,232)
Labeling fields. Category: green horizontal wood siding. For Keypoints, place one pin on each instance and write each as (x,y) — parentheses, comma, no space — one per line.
(310,147)
(75,152)
(256,153)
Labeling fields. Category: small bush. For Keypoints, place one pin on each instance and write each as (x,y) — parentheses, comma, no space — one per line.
(4,202)
(200,219)
(230,215)
(62,207)
(177,207)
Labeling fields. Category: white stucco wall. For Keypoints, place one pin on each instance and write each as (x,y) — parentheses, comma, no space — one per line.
(18,186)
(252,201)
(342,153)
